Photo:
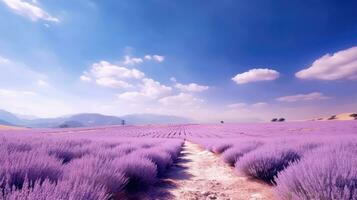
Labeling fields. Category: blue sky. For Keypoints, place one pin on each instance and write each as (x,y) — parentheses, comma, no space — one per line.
(231,60)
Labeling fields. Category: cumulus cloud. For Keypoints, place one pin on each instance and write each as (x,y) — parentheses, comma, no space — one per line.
(157,58)
(181,99)
(4,60)
(192,87)
(110,75)
(112,82)
(85,78)
(340,65)
(237,105)
(31,10)
(106,69)
(255,75)
(259,104)
(241,105)
(42,83)
(149,90)
(154,89)
(5,93)
(132,61)
(303,97)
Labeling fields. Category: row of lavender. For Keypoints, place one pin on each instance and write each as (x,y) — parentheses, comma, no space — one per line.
(300,167)
(48,166)
(259,130)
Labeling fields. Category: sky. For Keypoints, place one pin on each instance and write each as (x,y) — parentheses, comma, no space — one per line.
(207,60)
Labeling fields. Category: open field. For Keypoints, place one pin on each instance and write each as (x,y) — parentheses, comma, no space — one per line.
(297,160)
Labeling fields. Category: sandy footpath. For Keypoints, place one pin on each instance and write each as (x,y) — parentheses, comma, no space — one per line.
(200,174)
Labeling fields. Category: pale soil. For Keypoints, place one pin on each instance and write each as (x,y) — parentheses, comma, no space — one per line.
(200,174)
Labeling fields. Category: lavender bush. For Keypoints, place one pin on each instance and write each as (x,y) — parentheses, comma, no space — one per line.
(328,173)
(37,165)
(299,158)
(141,172)
(63,190)
(232,155)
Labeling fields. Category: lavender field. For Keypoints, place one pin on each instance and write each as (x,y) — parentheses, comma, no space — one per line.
(298,160)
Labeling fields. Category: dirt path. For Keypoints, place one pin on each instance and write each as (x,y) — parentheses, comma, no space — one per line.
(200,174)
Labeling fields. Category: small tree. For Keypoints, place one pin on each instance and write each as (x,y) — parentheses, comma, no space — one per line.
(222,122)
(354,115)
(332,117)
(123,122)
(274,120)
(281,120)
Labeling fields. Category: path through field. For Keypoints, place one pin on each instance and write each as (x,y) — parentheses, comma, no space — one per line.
(200,174)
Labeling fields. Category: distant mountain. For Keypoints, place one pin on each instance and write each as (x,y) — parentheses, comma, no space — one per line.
(88,120)
(93,119)
(26,117)
(9,117)
(154,119)
(85,119)
(3,122)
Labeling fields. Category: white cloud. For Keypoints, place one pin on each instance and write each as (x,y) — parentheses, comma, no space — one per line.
(340,65)
(303,97)
(154,89)
(148,57)
(30,10)
(259,104)
(241,105)
(112,82)
(132,61)
(106,69)
(110,75)
(182,99)
(42,83)
(5,93)
(192,87)
(255,75)
(149,90)
(4,60)
(133,96)
(157,58)
(237,105)
(85,78)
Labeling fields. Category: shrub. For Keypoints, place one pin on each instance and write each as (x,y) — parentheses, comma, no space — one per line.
(13,147)
(328,173)
(221,147)
(34,166)
(231,155)
(281,119)
(265,163)
(63,190)
(141,172)
(99,171)
(158,156)
(66,154)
